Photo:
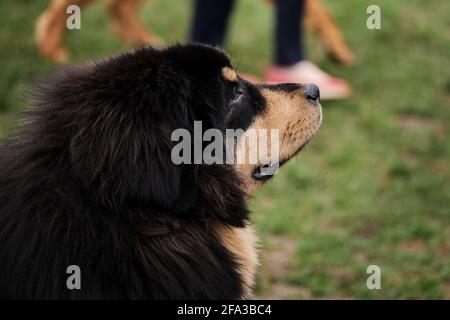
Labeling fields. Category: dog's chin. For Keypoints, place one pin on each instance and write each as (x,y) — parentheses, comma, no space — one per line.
(266,171)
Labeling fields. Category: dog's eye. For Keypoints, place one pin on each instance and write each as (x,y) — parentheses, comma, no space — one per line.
(237,94)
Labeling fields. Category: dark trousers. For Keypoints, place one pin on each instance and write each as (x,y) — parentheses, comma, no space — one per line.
(211,19)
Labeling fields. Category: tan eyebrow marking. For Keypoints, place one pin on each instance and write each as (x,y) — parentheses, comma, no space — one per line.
(229,74)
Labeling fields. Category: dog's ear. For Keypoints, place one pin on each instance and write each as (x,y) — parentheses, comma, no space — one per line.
(131,165)
(127,166)
(118,119)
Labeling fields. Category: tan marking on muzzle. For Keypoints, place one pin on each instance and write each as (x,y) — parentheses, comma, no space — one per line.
(297,120)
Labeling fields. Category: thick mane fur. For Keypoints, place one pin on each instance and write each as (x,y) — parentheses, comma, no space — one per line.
(89,181)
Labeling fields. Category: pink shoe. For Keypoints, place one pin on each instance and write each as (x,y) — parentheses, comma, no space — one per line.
(305,71)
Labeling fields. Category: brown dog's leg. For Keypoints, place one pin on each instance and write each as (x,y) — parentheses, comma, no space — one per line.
(126,23)
(319,19)
(50,28)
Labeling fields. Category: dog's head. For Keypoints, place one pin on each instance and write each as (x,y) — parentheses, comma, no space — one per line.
(277,122)
(117,119)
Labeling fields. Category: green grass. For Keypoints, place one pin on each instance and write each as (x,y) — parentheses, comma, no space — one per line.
(372,188)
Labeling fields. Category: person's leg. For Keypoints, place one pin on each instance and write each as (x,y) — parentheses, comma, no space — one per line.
(210,21)
(289,47)
(290,63)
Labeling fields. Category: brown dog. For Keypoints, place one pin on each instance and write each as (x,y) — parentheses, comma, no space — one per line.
(51,25)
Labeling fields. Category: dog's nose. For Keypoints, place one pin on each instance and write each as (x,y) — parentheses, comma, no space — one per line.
(312,92)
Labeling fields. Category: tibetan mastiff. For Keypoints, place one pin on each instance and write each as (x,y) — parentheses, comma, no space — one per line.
(88,183)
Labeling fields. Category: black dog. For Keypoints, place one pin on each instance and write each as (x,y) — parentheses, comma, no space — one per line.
(89,180)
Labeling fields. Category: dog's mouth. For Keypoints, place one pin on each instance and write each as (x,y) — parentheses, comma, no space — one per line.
(267,170)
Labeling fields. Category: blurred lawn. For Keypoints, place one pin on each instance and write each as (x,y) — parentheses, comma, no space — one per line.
(372,188)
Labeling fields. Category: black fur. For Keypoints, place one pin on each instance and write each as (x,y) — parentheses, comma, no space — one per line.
(89,181)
